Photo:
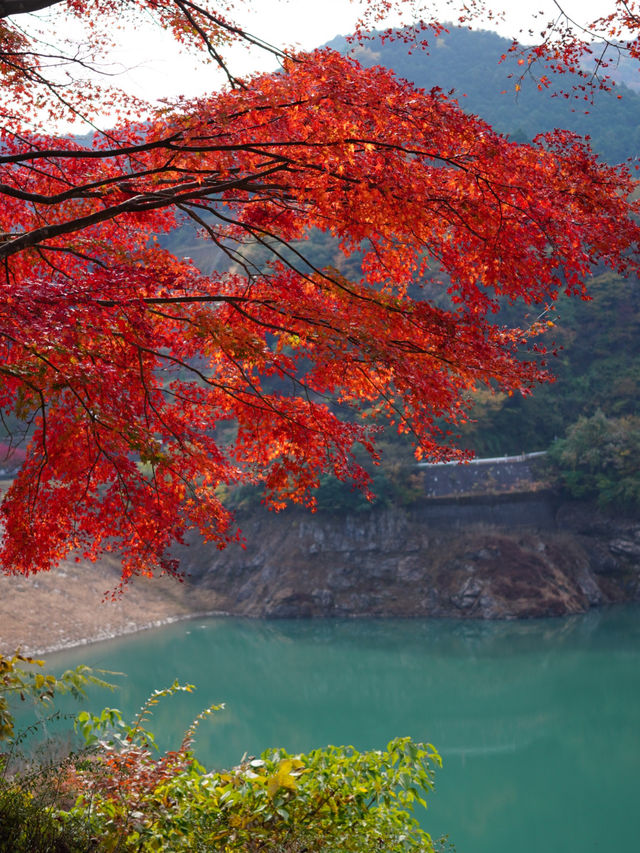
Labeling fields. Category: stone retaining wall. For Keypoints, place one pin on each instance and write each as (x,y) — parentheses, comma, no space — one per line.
(484,476)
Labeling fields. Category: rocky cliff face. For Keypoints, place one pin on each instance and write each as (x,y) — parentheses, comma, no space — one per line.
(503,558)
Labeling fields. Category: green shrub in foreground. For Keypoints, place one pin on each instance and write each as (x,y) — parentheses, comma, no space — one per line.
(335,799)
(30,820)
(119,796)
(31,793)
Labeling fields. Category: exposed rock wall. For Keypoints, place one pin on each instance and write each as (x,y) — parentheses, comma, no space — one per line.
(502,557)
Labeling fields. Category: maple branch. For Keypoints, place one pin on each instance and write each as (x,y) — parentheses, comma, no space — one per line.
(90,190)
(133,354)
(21,7)
(231,28)
(184,7)
(564,14)
(176,435)
(322,273)
(138,204)
(175,300)
(88,153)
(188,209)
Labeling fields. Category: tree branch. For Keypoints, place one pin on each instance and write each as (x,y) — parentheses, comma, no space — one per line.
(21,7)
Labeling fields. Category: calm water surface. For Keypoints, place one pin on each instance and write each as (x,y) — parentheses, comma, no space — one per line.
(537,722)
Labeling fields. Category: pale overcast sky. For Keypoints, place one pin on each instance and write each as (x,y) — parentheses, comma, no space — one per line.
(155,69)
(308,24)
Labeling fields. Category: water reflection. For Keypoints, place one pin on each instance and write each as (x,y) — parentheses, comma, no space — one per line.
(447,636)
(527,715)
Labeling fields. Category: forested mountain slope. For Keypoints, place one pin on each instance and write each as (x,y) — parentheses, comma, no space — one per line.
(468,62)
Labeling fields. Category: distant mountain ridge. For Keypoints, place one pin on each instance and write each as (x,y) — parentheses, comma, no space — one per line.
(468,63)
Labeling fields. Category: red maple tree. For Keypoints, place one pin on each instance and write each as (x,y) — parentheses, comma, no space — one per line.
(147,385)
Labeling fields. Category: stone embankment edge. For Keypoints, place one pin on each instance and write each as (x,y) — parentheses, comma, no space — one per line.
(106,636)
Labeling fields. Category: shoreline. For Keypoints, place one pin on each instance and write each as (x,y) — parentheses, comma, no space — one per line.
(124,632)
(68,607)
(429,561)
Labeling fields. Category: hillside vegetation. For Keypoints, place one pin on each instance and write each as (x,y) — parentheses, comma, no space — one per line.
(467,64)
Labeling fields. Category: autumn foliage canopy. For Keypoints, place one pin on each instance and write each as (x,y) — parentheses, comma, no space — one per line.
(144,385)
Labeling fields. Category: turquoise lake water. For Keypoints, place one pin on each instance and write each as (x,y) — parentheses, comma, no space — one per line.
(537,722)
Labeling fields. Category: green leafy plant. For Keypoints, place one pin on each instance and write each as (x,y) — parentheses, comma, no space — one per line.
(21,676)
(598,459)
(117,794)
(332,799)
(31,798)
(31,816)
